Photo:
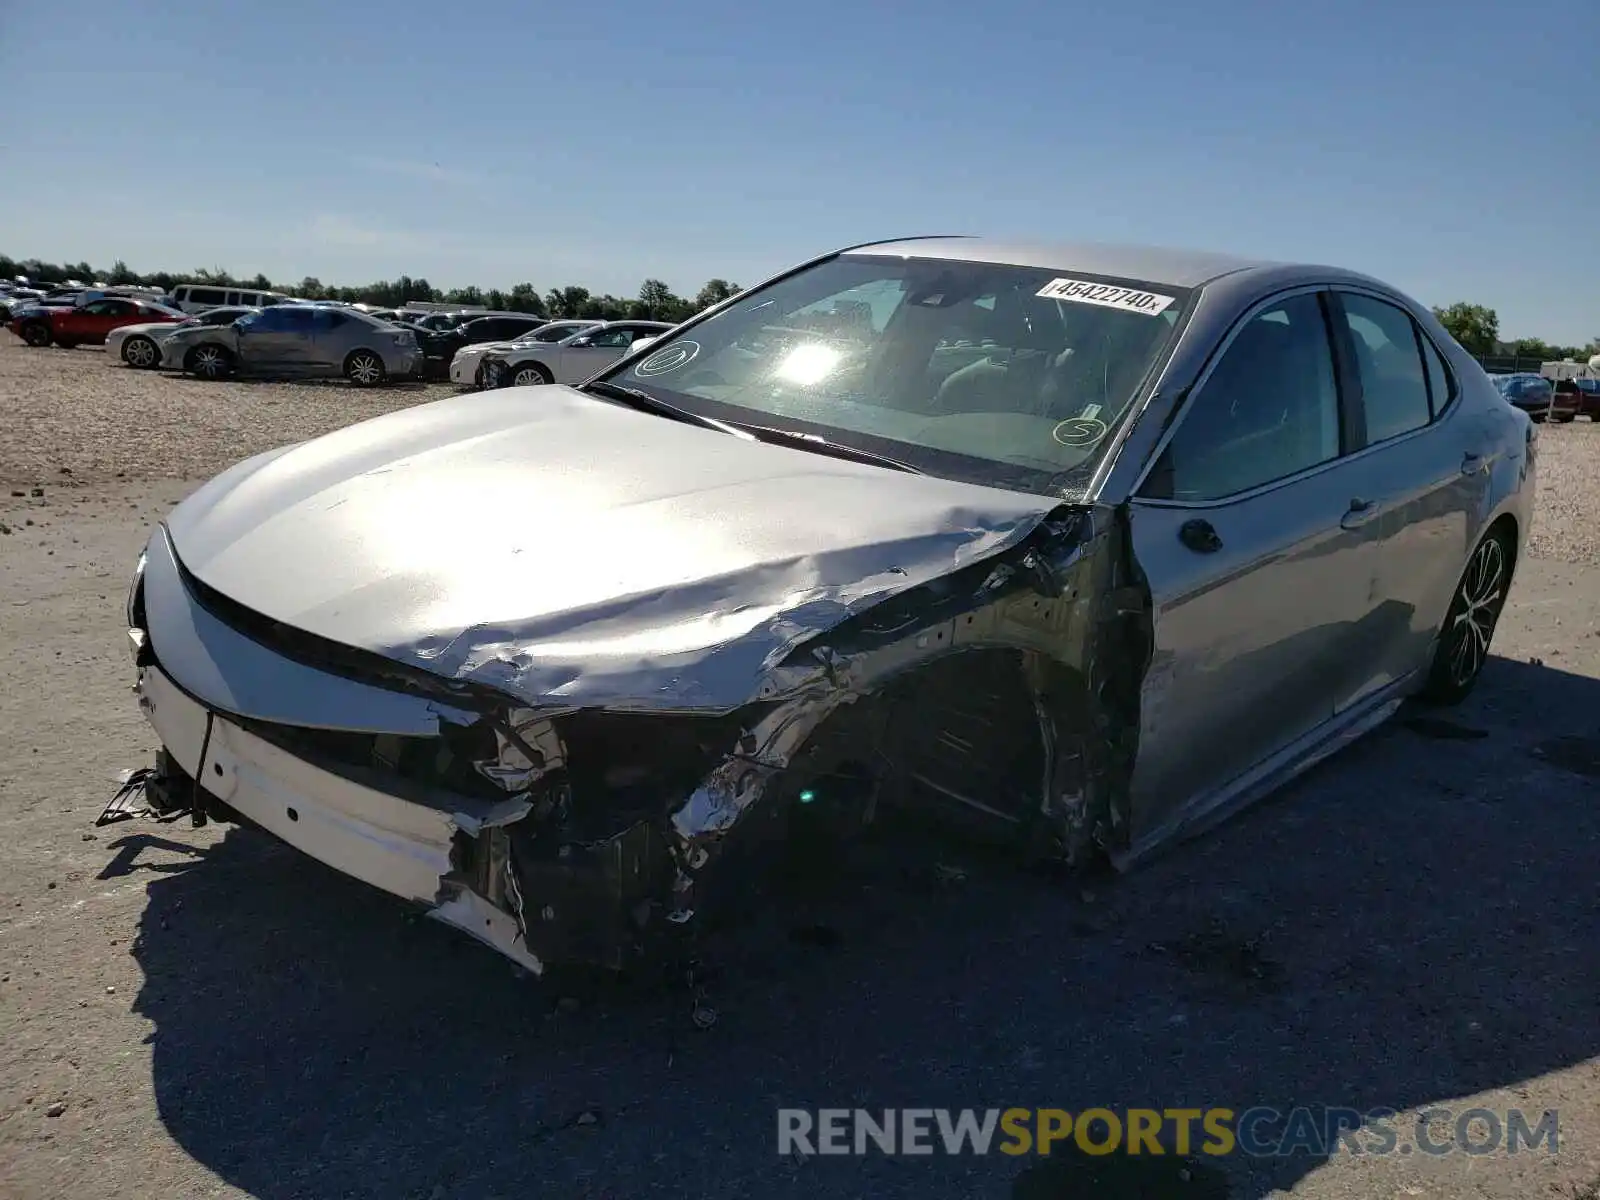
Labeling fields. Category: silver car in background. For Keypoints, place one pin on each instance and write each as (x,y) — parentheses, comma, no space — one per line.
(297,340)
(1072,547)
(466,366)
(140,345)
(569,361)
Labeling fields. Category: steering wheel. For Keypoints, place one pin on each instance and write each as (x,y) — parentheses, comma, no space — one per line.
(705,379)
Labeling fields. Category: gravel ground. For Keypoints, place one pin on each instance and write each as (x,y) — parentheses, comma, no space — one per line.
(201,1012)
(100,420)
(1567,524)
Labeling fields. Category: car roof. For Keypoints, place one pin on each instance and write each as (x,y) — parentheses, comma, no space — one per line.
(1182,268)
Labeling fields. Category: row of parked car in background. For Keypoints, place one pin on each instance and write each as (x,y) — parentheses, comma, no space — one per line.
(215,332)
(1570,395)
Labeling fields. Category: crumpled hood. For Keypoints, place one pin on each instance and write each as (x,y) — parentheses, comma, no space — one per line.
(566,550)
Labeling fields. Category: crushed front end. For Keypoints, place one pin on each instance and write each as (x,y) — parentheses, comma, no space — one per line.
(1003,695)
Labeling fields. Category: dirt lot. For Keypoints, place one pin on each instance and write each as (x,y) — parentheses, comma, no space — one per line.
(199,1012)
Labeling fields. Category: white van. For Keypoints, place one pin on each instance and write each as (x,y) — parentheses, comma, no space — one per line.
(198,297)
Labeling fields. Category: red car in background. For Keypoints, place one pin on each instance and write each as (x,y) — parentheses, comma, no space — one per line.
(1583,395)
(87,323)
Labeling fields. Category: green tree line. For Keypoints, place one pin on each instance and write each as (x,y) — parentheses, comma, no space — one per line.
(1477,328)
(655,301)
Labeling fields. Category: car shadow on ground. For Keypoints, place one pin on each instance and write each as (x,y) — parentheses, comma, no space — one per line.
(1413,922)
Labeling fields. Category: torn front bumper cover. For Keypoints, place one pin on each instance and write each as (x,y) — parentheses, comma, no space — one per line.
(406,848)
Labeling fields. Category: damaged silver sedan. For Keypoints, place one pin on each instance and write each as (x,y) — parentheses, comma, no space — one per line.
(1083,547)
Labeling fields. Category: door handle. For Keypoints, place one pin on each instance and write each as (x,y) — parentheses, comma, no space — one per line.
(1200,536)
(1359,513)
(1471,463)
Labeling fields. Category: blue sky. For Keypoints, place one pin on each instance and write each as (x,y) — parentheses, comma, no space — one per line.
(496,142)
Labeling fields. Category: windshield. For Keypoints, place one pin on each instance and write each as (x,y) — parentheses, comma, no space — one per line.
(1007,375)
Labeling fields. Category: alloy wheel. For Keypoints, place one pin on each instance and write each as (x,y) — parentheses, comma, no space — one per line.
(209,362)
(365,369)
(139,352)
(1477,608)
(529,376)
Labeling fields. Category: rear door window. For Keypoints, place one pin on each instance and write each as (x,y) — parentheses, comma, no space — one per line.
(1389,363)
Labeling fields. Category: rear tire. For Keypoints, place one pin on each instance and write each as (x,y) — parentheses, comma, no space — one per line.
(37,333)
(364,368)
(1469,626)
(209,362)
(140,353)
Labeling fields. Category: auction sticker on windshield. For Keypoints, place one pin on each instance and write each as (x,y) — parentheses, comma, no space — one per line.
(1082,291)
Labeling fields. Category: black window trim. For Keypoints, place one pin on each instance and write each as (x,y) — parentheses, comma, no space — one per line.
(1352,397)
(1451,383)
(1427,375)
(1348,410)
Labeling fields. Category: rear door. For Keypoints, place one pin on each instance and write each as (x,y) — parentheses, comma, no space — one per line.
(1257,587)
(1418,483)
(334,335)
(277,338)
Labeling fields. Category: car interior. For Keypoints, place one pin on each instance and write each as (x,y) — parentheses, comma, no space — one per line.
(974,363)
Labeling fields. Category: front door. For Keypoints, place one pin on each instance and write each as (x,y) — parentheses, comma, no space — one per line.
(1256,583)
(594,352)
